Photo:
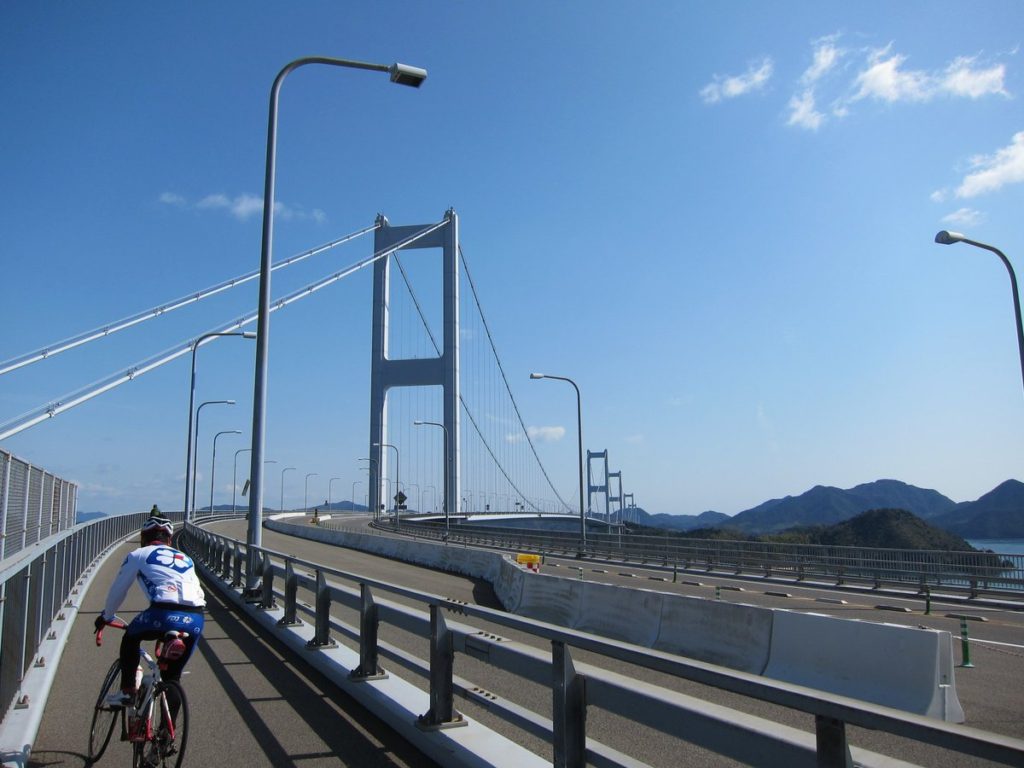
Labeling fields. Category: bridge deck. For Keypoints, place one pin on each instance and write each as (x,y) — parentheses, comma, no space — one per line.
(250,704)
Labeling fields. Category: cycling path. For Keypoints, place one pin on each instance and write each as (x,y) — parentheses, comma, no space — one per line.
(250,703)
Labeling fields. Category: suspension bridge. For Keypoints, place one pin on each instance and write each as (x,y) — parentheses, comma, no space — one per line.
(447,441)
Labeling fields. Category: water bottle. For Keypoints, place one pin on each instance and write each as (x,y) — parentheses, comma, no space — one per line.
(138,677)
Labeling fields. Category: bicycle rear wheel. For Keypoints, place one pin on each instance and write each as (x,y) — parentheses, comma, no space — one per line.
(104,717)
(170,729)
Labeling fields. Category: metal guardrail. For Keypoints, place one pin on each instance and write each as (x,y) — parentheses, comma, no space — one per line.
(35,585)
(972,573)
(574,687)
(34,504)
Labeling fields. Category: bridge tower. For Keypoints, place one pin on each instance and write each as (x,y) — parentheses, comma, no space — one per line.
(599,489)
(386,372)
(631,507)
(615,497)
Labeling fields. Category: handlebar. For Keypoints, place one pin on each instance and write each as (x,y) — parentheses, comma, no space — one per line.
(116,623)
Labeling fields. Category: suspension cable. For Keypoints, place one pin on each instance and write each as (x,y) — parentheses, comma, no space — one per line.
(106,330)
(67,402)
(465,407)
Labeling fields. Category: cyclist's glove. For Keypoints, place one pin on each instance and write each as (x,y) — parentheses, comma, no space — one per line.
(100,622)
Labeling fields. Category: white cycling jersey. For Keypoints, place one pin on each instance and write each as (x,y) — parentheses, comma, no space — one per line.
(164,574)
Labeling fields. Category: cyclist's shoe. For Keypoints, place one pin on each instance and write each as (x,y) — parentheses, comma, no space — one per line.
(118,700)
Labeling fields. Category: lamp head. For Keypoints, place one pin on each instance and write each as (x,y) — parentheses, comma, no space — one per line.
(403,74)
(229,402)
(248,334)
(417,423)
(946,237)
(536,375)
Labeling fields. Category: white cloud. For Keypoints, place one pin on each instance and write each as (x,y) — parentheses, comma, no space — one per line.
(961,80)
(964,217)
(245,206)
(826,56)
(884,80)
(939,195)
(802,111)
(730,87)
(546,434)
(1004,166)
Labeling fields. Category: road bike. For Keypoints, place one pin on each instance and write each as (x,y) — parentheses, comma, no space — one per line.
(157,736)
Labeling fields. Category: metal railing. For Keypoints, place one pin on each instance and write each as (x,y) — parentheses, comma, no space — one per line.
(34,504)
(35,586)
(574,687)
(972,573)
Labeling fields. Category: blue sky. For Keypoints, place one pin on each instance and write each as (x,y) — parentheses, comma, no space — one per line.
(717,218)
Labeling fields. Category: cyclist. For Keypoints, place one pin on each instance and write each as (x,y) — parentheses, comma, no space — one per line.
(176,601)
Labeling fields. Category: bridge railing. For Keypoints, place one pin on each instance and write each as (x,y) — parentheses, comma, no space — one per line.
(36,585)
(972,573)
(574,687)
(34,504)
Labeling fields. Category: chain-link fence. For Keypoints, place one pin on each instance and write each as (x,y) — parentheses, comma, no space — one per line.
(34,504)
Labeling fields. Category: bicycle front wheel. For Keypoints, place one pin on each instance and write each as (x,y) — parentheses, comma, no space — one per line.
(103,716)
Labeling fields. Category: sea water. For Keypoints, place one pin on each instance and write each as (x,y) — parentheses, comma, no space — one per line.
(1000,546)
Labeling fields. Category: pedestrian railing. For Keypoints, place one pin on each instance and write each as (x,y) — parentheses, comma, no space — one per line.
(973,574)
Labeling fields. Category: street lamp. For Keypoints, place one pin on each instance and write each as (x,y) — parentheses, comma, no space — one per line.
(282,489)
(401,74)
(329,484)
(948,238)
(444,487)
(213,461)
(376,512)
(579,438)
(305,497)
(189,468)
(198,412)
(398,487)
(354,484)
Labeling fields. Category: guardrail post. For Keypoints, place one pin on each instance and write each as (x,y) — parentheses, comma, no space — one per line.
(569,710)
(267,599)
(236,577)
(291,588)
(833,751)
(974,588)
(965,644)
(322,627)
(225,568)
(442,712)
(369,665)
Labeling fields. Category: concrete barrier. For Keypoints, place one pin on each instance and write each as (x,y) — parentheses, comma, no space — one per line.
(729,634)
(902,667)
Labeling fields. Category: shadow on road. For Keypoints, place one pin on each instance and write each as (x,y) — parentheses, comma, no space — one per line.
(277,697)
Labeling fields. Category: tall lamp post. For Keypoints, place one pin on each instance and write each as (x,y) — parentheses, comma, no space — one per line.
(444,487)
(579,438)
(398,487)
(213,461)
(948,238)
(199,410)
(305,495)
(354,484)
(286,469)
(376,512)
(189,468)
(401,74)
(329,496)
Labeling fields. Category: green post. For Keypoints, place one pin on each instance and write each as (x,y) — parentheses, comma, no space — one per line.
(718,593)
(927,601)
(965,645)
(675,572)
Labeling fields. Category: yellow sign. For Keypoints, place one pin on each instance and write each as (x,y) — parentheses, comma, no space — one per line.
(523,559)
